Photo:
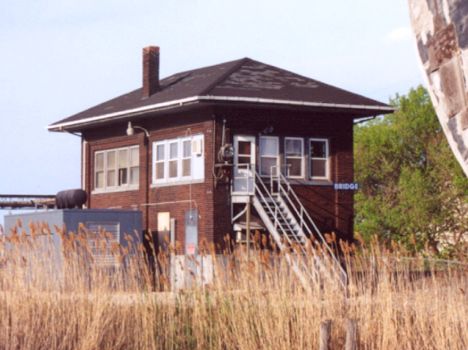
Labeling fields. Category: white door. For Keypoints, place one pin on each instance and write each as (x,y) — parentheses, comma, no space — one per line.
(244,164)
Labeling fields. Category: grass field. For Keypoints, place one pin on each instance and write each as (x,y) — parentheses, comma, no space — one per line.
(398,301)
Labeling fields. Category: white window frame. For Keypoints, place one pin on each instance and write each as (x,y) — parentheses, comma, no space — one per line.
(170,160)
(327,159)
(160,161)
(189,157)
(260,155)
(116,188)
(301,157)
(180,157)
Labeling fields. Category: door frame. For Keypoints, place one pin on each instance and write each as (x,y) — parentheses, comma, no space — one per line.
(245,173)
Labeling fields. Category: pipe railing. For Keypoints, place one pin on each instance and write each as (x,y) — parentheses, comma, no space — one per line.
(302,215)
(260,191)
(280,187)
(298,264)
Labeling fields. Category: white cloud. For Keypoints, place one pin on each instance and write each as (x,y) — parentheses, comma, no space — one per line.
(400,34)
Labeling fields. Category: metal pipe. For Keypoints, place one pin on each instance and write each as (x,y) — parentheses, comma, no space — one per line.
(170,202)
(247,228)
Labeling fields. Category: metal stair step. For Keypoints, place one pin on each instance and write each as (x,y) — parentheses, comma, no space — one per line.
(272,217)
(279,209)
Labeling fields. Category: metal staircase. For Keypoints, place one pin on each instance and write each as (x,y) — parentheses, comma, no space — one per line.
(290,226)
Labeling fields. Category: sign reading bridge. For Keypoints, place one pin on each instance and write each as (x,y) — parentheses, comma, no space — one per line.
(349,186)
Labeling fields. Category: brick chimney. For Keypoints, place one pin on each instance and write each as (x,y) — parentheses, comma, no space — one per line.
(150,70)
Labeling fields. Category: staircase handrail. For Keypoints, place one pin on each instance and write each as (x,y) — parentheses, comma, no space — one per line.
(303,213)
(298,244)
(258,180)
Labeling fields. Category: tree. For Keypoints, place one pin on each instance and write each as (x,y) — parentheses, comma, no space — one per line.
(412,190)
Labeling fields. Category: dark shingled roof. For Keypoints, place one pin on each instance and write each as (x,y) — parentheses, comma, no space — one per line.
(244,78)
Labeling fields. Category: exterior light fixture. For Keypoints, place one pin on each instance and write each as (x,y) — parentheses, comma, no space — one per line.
(131,129)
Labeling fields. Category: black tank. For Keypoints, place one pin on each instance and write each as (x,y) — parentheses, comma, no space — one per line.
(70,199)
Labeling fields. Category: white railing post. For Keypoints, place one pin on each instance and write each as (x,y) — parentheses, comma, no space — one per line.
(306,220)
(302,217)
(276,217)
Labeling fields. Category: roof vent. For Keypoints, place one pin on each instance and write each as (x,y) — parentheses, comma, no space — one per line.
(150,70)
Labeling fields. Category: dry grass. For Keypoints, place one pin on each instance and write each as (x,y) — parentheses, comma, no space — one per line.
(399,302)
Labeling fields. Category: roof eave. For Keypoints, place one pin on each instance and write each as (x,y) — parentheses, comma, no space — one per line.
(130,113)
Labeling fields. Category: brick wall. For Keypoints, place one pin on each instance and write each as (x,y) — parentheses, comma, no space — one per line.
(175,199)
(333,210)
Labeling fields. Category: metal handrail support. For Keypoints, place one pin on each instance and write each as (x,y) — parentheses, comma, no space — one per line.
(303,214)
(272,200)
(294,263)
(283,230)
(305,217)
(256,190)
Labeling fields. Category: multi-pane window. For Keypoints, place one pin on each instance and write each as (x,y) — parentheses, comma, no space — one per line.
(111,171)
(175,160)
(122,178)
(99,170)
(294,156)
(318,150)
(186,157)
(160,164)
(244,154)
(269,155)
(134,166)
(116,169)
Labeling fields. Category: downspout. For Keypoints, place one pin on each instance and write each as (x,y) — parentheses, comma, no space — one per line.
(213,184)
(84,159)
(148,182)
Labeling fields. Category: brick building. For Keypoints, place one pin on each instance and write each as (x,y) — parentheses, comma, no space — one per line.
(223,150)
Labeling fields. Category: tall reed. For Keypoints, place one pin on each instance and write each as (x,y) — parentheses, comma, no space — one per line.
(64,299)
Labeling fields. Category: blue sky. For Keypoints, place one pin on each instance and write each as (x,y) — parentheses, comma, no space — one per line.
(58,57)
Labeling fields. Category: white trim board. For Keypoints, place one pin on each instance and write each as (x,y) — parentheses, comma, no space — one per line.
(195,99)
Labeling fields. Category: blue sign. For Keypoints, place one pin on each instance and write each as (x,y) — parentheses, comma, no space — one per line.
(351,186)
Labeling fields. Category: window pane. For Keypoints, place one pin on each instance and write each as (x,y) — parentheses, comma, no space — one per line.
(160,152)
(173,153)
(243,160)
(294,167)
(173,168)
(293,147)
(187,146)
(318,149)
(134,157)
(99,161)
(123,158)
(318,168)
(110,178)
(160,170)
(186,165)
(123,179)
(244,147)
(111,160)
(267,163)
(134,175)
(99,181)
(268,146)
(123,164)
